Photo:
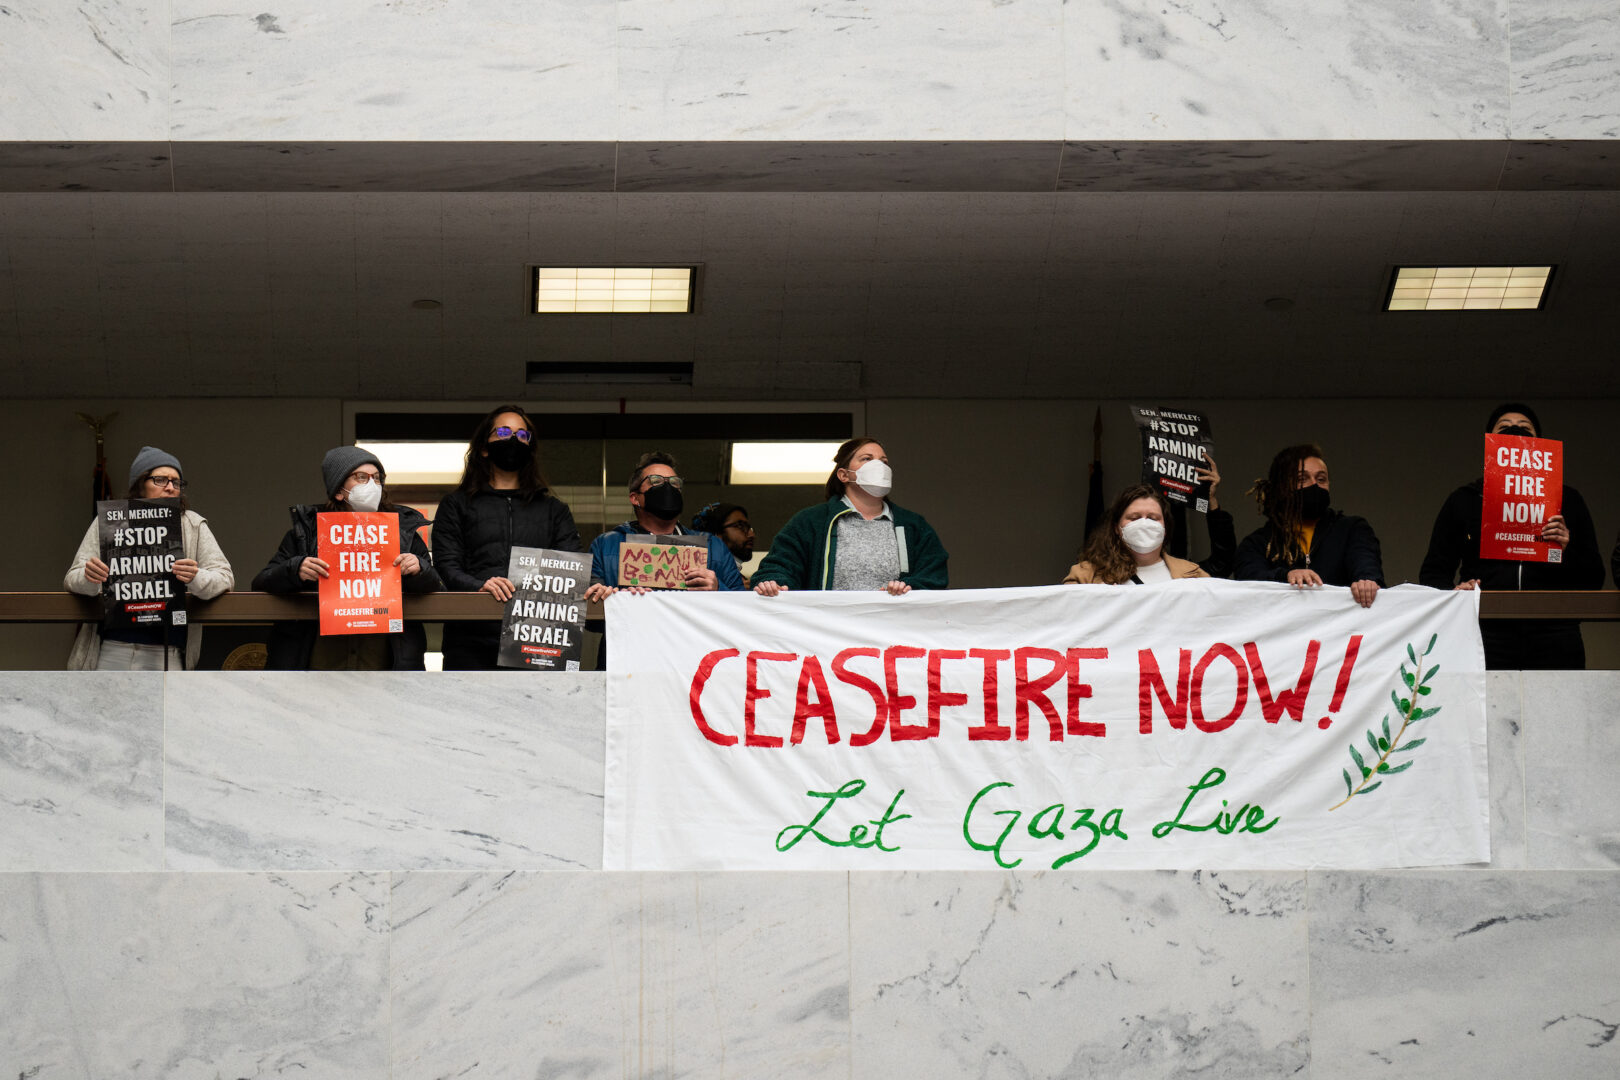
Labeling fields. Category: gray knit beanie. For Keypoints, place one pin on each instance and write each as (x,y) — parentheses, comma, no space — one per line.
(151,458)
(340,461)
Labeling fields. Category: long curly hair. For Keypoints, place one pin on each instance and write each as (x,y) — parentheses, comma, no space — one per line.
(475,473)
(1277,496)
(1111,561)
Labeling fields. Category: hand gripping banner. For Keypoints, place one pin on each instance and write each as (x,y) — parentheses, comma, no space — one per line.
(1188,724)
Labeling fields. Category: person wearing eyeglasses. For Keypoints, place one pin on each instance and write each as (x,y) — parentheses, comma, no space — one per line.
(355,481)
(857,539)
(655,495)
(730,523)
(502,502)
(204,570)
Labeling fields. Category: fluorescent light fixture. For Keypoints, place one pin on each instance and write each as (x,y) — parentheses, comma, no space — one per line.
(782,462)
(1471,288)
(419,462)
(612,290)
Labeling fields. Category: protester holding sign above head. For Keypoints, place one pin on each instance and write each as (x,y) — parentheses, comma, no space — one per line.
(1129,546)
(857,539)
(1454,561)
(502,502)
(730,523)
(154,474)
(1304,541)
(354,481)
(655,495)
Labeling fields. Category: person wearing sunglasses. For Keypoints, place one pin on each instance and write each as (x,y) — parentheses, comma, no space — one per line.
(502,502)
(354,481)
(655,496)
(204,570)
(730,523)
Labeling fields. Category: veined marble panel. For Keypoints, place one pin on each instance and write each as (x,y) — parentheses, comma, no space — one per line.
(1338,69)
(81,770)
(85,71)
(1565,57)
(649,975)
(194,976)
(1571,745)
(802,69)
(1435,974)
(406,70)
(1126,975)
(383,770)
(1504,746)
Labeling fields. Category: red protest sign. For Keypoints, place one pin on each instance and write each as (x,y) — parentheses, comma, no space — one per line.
(1524,487)
(362,593)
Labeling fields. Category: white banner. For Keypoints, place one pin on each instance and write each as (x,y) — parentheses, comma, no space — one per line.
(1188,724)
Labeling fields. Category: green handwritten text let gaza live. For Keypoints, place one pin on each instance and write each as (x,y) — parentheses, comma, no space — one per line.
(1077,831)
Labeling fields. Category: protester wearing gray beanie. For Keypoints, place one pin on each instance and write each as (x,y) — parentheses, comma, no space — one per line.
(151,458)
(340,461)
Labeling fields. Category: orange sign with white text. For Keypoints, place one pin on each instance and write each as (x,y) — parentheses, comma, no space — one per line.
(1524,486)
(362,593)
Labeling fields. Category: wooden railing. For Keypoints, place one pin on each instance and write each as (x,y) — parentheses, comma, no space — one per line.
(252,607)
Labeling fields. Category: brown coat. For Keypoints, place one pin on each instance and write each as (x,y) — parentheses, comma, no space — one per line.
(1083,574)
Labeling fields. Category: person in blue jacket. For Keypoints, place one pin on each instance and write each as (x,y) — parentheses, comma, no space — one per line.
(857,539)
(655,494)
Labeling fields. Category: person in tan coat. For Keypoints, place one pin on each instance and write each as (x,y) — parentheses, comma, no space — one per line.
(1129,546)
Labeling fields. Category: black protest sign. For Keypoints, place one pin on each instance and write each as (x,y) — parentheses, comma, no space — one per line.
(544,628)
(1173,445)
(140,542)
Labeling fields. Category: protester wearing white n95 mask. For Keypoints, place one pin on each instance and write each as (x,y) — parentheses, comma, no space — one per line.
(857,539)
(1128,547)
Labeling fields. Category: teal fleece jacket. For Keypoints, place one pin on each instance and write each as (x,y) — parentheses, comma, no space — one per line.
(805,551)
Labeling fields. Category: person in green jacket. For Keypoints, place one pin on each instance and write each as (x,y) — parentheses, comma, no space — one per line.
(856,539)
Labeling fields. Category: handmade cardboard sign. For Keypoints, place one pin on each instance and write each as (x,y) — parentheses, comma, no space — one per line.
(1173,445)
(363,593)
(1524,486)
(140,541)
(545,619)
(661,562)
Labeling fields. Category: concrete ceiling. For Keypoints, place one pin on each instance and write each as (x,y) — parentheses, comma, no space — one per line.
(805,294)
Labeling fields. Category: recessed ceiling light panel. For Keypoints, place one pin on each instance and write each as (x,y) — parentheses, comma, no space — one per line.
(1468,288)
(612,290)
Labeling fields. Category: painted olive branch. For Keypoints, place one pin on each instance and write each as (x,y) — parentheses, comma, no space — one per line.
(1410,711)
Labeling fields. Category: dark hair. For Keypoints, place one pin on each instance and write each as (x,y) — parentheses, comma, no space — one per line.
(647,460)
(1112,563)
(1513,406)
(475,473)
(1277,496)
(846,453)
(136,489)
(712,518)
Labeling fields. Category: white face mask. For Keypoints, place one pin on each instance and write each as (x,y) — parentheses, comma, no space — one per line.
(365,497)
(875,478)
(1143,535)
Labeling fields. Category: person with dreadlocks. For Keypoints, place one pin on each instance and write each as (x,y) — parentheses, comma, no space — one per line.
(1304,542)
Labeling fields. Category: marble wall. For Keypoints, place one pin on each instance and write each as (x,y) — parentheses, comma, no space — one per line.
(202,876)
(652,71)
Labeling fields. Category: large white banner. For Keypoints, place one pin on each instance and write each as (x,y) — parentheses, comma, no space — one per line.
(1188,724)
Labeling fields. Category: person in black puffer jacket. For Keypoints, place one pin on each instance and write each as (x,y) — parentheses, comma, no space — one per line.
(1303,542)
(502,502)
(1453,562)
(354,480)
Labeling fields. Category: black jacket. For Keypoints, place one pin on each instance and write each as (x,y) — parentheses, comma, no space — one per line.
(292,643)
(1454,547)
(1344,549)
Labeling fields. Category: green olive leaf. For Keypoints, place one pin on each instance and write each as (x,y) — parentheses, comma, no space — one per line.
(1372,787)
(1355,756)
(1399,768)
(1413,745)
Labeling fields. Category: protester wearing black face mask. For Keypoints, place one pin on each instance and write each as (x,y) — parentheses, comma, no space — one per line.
(1304,541)
(1453,562)
(503,502)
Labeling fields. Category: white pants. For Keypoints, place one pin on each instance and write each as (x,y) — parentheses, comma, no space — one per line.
(128,656)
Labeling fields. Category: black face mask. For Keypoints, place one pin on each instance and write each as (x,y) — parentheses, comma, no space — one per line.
(1519,430)
(662,502)
(510,455)
(1313,502)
